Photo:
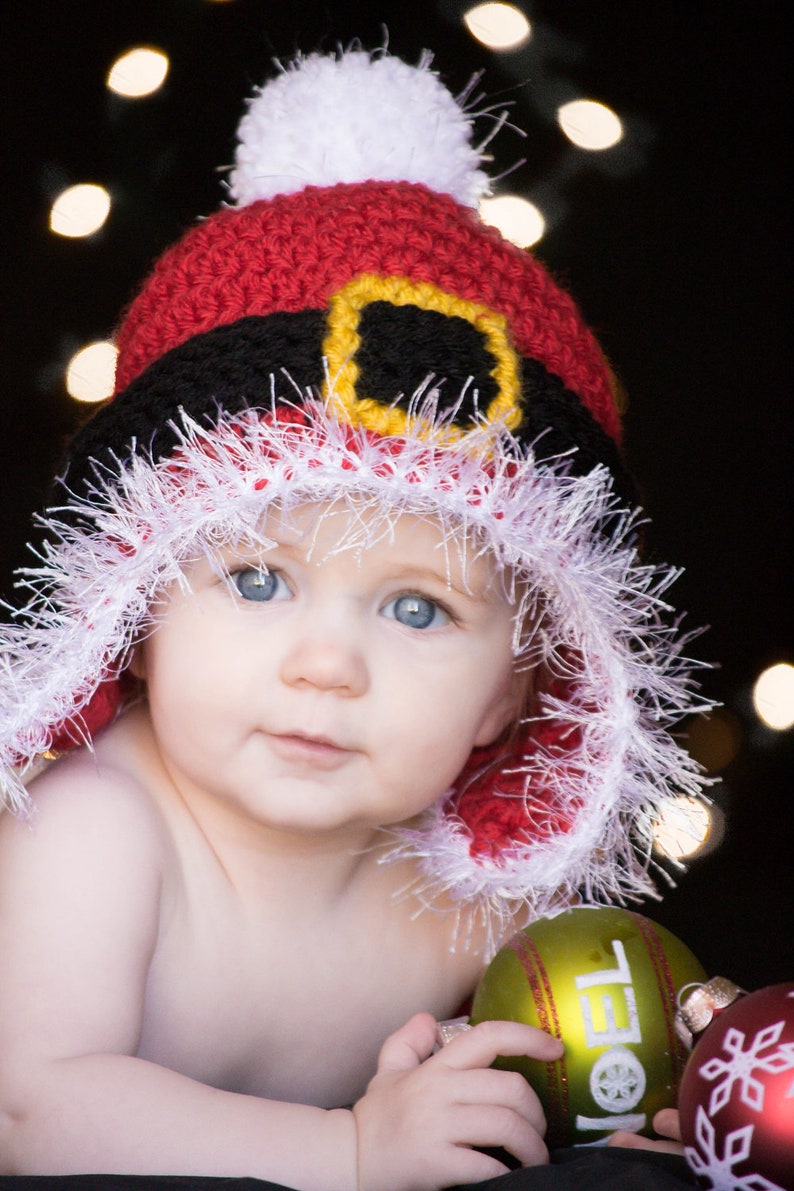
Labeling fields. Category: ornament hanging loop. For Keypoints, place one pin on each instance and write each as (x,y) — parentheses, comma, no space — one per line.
(699,1007)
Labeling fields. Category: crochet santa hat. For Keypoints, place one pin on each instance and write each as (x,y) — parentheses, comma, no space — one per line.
(350,329)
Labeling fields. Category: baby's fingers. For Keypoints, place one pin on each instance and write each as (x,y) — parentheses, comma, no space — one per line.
(410,1045)
(503,1089)
(479,1046)
(498,1127)
(667,1125)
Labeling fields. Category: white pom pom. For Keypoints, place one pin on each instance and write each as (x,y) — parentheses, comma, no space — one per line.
(355,118)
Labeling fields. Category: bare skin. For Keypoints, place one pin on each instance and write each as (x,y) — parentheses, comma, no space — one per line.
(667,1125)
(201,968)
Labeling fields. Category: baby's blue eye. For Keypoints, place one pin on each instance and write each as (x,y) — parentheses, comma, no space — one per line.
(416,611)
(260,585)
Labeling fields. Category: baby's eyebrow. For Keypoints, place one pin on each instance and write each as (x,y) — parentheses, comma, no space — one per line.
(463,587)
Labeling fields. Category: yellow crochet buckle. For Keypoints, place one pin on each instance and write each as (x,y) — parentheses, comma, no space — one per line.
(342,342)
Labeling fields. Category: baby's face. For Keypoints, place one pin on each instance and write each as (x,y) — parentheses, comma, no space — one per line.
(317,689)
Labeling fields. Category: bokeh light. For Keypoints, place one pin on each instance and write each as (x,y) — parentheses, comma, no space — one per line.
(90,375)
(773,696)
(516,218)
(80,210)
(138,72)
(498,26)
(714,739)
(685,826)
(589,124)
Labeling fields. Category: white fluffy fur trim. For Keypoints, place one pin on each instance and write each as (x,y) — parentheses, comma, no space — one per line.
(94,586)
(356,117)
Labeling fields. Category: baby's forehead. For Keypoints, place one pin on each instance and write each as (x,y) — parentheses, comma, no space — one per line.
(372,536)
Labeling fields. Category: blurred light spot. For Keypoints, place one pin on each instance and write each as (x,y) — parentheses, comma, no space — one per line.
(80,211)
(684,826)
(713,740)
(91,373)
(137,73)
(499,26)
(517,219)
(589,125)
(773,696)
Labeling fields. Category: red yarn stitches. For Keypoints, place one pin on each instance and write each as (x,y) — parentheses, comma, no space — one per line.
(293,252)
(502,798)
(100,710)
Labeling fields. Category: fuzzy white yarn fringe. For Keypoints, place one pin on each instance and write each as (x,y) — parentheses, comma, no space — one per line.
(95,583)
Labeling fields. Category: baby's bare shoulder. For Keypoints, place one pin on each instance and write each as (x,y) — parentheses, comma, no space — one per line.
(91,824)
(80,891)
(86,799)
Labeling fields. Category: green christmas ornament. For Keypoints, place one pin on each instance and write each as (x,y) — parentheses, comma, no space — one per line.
(606,982)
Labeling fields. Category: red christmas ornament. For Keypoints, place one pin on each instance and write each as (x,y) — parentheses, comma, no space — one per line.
(737,1093)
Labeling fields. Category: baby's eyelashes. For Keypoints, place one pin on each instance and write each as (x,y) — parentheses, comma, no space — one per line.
(416,611)
(260,584)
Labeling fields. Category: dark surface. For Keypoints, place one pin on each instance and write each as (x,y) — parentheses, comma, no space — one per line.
(570,1170)
(676,244)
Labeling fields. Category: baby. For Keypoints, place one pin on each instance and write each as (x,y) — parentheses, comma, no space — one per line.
(342,666)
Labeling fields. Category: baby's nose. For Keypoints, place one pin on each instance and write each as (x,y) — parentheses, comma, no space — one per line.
(327,661)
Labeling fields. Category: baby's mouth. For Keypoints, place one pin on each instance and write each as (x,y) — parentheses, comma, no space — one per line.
(303,746)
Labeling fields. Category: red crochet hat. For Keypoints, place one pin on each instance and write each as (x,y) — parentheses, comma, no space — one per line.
(351,327)
(300,252)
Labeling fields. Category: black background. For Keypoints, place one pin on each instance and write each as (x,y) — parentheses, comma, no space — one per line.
(676,245)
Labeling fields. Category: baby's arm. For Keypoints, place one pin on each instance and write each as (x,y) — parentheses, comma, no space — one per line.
(80,912)
(79,915)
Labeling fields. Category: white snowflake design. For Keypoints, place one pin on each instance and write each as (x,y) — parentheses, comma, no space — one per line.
(720,1169)
(739,1067)
(617,1080)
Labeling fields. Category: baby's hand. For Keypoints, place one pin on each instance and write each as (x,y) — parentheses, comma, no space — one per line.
(423,1113)
(667,1125)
